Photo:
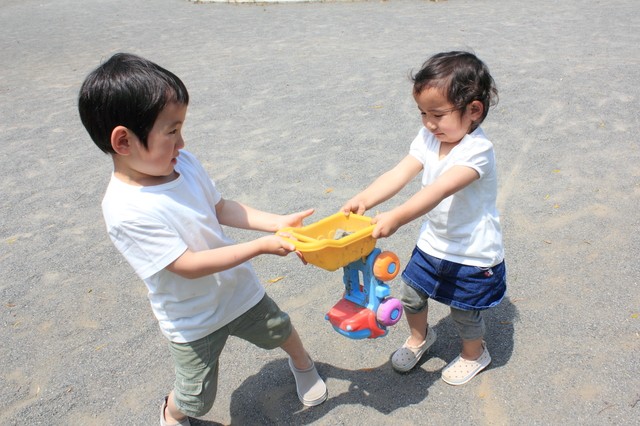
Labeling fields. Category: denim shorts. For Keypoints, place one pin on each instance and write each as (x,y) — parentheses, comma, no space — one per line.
(459,286)
(196,363)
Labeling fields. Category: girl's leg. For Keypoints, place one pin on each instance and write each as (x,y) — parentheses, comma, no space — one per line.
(471,328)
(418,324)
(421,337)
(472,349)
(416,311)
(474,356)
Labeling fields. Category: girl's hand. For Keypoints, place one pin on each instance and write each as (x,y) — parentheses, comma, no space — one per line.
(386,225)
(273,244)
(354,205)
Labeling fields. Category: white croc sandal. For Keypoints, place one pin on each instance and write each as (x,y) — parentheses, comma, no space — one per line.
(311,388)
(460,370)
(405,358)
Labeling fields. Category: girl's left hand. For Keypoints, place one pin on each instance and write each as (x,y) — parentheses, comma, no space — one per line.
(386,225)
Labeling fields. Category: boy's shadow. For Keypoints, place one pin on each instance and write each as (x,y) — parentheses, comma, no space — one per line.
(269,397)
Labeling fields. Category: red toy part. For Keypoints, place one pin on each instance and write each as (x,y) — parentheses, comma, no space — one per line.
(350,317)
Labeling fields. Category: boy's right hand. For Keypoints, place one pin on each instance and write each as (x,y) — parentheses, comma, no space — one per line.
(273,244)
(354,205)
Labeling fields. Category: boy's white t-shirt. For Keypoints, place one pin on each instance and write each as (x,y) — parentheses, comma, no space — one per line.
(465,227)
(152,226)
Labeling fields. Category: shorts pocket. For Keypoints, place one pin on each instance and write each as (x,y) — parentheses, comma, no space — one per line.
(189,395)
(189,387)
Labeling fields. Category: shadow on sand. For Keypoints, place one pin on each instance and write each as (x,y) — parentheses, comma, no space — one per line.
(268,398)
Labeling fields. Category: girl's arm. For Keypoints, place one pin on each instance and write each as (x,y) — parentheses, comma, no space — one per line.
(450,182)
(385,186)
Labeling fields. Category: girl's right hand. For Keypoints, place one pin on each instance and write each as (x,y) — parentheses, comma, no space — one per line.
(354,205)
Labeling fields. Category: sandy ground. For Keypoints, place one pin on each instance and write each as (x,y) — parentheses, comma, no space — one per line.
(301,105)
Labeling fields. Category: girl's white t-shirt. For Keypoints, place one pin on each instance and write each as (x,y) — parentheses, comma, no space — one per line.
(465,227)
(152,226)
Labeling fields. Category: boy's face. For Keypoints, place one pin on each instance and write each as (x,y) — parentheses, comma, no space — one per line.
(440,117)
(155,164)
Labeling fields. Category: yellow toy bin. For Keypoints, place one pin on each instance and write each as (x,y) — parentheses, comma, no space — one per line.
(333,242)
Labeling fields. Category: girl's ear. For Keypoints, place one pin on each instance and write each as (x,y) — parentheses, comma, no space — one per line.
(475,108)
(121,140)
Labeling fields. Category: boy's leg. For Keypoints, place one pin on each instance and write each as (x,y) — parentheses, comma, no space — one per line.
(267,327)
(310,387)
(171,413)
(196,366)
(294,348)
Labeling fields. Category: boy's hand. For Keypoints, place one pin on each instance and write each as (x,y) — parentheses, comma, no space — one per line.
(386,225)
(353,206)
(295,219)
(273,244)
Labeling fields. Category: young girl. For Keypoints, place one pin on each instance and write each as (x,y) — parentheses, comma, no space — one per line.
(458,259)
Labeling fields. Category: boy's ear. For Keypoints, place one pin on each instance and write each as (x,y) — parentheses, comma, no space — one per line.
(121,140)
(476,108)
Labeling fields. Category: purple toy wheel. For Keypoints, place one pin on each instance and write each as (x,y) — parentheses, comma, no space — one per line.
(389,312)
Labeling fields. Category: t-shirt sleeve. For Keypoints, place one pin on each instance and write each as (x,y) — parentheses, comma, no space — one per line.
(478,155)
(418,147)
(148,247)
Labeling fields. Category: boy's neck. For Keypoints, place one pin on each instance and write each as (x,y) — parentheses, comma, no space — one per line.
(134,178)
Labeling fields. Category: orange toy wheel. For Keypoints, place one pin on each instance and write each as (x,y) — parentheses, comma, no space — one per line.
(386,266)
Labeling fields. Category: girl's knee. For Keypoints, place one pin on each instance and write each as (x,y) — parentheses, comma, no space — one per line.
(470,324)
(413,301)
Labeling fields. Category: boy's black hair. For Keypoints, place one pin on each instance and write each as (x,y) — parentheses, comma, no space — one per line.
(128,91)
(462,77)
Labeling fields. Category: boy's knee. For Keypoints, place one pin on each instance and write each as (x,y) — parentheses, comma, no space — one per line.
(195,402)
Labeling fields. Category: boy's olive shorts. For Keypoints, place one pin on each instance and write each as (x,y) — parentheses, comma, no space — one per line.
(196,363)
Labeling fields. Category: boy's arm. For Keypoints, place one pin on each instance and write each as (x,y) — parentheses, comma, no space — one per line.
(450,182)
(237,215)
(206,262)
(232,213)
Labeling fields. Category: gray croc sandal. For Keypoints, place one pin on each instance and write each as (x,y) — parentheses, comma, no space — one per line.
(405,358)
(311,388)
(163,422)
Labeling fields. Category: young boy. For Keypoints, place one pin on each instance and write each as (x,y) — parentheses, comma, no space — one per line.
(164,214)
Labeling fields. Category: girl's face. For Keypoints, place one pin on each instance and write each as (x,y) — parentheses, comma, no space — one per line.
(155,164)
(440,117)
